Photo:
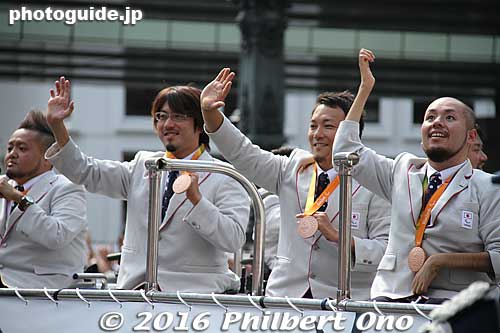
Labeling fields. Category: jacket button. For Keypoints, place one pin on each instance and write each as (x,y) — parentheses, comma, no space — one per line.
(315,247)
(312,275)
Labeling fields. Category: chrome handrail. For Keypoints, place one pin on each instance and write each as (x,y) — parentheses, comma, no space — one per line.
(228,300)
(165,164)
(345,163)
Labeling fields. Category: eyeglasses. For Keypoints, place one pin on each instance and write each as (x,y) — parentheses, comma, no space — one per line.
(175,117)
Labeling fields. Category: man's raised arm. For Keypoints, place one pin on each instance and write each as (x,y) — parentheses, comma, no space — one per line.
(365,87)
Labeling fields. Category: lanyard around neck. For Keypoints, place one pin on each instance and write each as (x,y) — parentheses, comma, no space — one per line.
(311,205)
(195,156)
(425,215)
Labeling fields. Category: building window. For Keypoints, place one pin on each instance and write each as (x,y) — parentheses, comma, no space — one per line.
(139,100)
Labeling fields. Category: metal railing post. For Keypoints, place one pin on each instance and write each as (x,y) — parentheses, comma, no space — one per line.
(154,216)
(345,162)
(164,164)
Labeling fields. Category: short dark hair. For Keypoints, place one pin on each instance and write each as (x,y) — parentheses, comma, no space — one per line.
(184,100)
(283,150)
(342,100)
(36,121)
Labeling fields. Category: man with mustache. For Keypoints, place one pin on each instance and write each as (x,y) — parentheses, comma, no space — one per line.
(198,226)
(307,258)
(445,228)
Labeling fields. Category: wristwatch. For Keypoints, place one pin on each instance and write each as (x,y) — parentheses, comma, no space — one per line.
(25,202)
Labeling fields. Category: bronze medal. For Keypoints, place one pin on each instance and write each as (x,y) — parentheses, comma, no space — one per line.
(307,226)
(416,258)
(182,183)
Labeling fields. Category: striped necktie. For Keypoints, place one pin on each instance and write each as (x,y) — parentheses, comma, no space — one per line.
(169,192)
(323,182)
(434,182)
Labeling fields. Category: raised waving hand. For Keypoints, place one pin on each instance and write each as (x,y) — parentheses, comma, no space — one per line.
(212,98)
(60,107)
(365,58)
(365,87)
(214,93)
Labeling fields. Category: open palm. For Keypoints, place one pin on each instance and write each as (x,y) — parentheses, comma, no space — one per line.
(213,95)
(59,106)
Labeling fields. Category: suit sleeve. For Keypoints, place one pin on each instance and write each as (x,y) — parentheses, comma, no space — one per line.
(273,221)
(369,251)
(110,178)
(223,220)
(489,227)
(375,172)
(259,166)
(66,219)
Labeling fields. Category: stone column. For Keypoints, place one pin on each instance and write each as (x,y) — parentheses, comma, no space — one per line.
(261,71)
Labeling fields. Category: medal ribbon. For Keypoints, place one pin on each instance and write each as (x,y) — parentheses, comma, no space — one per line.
(195,156)
(425,215)
(311,205)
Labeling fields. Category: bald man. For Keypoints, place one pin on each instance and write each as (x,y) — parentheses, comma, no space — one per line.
(445,224)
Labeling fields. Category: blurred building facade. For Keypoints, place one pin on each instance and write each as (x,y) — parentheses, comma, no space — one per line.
(424,49)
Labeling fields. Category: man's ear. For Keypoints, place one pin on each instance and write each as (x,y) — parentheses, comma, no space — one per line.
(46,164)
(472,136)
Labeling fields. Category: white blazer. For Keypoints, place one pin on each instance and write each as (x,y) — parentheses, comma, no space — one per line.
(400,181)
(308,263)
(45,245)
(192,239)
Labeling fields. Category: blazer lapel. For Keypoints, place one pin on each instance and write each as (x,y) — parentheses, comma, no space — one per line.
(3,217)
(37,192)
(180,199)
(332,210)
(458,184)
(415,178)
(303,182)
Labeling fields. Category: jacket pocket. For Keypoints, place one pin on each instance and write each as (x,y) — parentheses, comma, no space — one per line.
(44,270)
(387,263)
(282,259)
(464,277)
(128,249)
(203,269)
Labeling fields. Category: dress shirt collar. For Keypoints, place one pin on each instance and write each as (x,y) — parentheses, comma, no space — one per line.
(29,184)
(332,173)
(444,173)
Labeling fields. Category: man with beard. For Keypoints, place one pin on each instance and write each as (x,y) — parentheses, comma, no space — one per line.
(42,214)
(198,226)
(445,227)
(306,263)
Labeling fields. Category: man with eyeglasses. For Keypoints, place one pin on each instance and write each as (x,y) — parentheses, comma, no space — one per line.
(197,226)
